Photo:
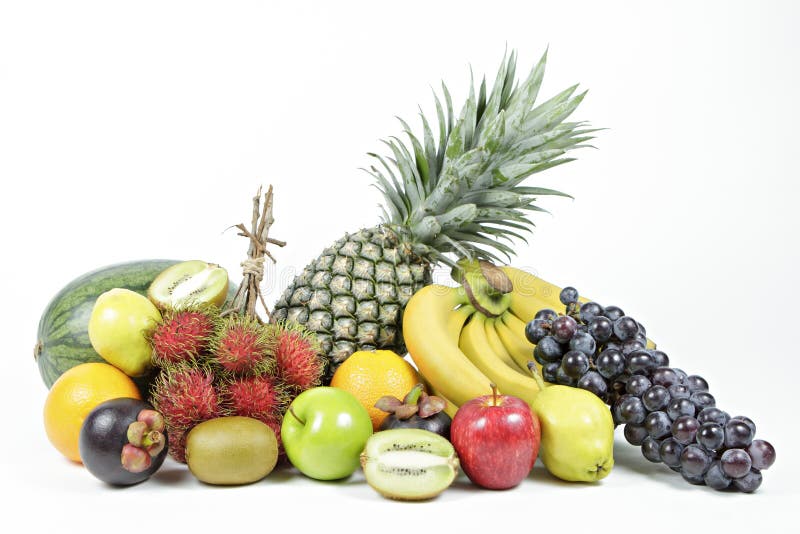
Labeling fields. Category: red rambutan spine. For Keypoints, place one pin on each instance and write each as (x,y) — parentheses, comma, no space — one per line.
(185,396)
(183,335)
(242,346)
(298,357)
(260,397)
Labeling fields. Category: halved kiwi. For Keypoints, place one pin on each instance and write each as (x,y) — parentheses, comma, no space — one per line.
(409,464)
(189,283)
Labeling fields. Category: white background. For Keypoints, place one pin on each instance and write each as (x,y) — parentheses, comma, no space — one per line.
(136,130)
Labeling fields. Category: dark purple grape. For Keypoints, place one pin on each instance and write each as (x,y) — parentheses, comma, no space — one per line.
(635,434)
(626,328)
(696,383)
(575,364)
(594,383)
(610,363)
(655,398)
(601,329)
(712,415)
(641,340)
(703,399)
(537,355)
(661,359)
(549,349)
(613,312)
(546,314)
(563,328)
(642,329)
(650,449)
(710,435)
(535,330)
(695,461)
(629,409)
(568,295)
(715,478)
(750,482)
(637,385)
(630,346)
(746,420)
(681,374)
(549,371)
(697,480)
(736,463)
(684,429)
(762,453)
(590,310)
(670,452)
(564,379)
(663,376)
(679,407)
(737,434)
(639,362)
(583,342)
(658,424)
(679,391)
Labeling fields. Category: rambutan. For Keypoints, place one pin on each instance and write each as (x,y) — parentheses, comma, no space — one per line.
(185,396)
(183,335)
(298,356)
(242,346)
(260,397)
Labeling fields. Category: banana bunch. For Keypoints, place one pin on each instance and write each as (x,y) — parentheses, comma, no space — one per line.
(462,344)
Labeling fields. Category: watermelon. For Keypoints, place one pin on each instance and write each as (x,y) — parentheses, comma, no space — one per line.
(63,337)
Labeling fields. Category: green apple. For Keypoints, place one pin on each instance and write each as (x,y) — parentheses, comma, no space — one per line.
(324,431)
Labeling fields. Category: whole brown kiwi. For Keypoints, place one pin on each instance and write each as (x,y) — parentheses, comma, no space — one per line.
(231,450)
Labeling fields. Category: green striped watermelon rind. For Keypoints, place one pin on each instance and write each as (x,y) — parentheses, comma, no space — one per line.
(63,337)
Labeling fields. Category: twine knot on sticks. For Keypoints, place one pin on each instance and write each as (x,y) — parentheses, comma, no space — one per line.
(249,292)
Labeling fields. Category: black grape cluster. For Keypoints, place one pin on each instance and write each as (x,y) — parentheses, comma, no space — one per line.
(669,414)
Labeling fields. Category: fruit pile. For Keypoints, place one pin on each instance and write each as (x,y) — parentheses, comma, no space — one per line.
(669,414)
(163,356)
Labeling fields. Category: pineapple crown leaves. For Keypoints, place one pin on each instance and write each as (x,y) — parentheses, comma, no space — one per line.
(460,192)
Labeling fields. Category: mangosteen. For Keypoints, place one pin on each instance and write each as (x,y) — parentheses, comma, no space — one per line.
(123,441)
(416,410)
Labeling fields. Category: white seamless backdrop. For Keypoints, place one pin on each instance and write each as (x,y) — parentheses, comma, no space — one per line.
(142,130)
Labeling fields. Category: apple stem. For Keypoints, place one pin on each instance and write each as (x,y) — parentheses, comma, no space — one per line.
(291,411)
(494,394)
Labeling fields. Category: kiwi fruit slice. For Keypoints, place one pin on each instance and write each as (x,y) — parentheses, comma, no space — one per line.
(409,464)
(188,283)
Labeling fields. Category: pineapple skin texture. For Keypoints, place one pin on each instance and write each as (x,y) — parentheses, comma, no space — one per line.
(352,296)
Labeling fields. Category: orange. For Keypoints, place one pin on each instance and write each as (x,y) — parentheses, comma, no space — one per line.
(369,375)
(74,395)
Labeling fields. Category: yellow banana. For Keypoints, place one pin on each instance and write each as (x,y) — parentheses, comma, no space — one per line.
(497,346)
(455,323)
(432,342)
(475,345)
(532,294)
(512,333)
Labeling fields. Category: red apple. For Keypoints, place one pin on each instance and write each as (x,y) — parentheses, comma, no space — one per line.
(497,440)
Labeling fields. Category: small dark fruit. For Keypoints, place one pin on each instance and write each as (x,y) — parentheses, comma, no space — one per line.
(416,410)
(123,441)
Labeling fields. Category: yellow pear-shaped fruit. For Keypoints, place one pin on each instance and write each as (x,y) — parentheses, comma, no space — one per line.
(577,433)
(119,326)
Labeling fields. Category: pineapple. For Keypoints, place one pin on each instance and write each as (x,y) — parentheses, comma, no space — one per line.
(445,199)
